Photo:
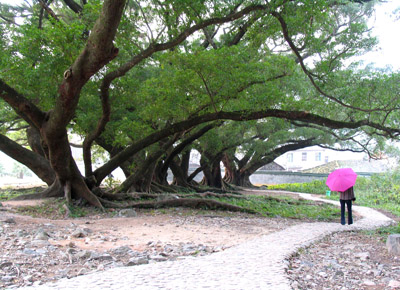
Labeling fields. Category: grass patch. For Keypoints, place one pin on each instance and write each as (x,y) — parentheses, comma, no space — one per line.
(384,232)
(56,208)
(287,207)
(10,193)
(51,209)
(380,191)
(277,206)
(315,187)
(267,206)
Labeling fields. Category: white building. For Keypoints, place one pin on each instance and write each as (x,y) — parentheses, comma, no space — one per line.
(313,156)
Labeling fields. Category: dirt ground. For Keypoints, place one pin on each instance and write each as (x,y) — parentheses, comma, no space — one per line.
(36,250)
(183,225)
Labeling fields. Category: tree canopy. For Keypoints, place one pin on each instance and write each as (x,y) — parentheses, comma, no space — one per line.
(147,81)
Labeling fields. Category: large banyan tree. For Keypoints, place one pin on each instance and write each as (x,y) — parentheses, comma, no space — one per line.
(147,81)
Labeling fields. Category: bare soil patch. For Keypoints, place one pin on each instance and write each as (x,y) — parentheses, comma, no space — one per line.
(347,260)
(37,250)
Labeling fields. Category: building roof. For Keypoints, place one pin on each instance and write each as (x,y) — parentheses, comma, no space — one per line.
(273,166)
(372,166)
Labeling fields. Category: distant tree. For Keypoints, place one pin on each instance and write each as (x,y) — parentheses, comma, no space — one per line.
(20,170)
(2,170)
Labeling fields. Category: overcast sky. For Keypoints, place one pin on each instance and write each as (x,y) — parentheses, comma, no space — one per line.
(387,29)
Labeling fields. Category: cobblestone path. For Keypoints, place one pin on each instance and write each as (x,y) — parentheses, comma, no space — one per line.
(257,264)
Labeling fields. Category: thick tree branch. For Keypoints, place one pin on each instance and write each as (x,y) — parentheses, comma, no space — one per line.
(243,29)
(73,6)
(48,10)
(97,53)
(251,167)
(102,172)
(178,149)
(105,86)
(35,162)
(11,21)
(25,108)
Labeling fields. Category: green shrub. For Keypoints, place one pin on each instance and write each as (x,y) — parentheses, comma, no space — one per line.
(315,187)
(379,191)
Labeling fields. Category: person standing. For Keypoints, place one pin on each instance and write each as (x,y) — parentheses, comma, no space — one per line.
(346,198)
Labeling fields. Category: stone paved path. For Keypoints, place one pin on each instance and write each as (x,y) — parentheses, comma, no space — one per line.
(256,264)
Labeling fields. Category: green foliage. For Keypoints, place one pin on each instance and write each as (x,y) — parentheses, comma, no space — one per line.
(39,56)
(110,182)
(381,191)
(190,79)
(20,170)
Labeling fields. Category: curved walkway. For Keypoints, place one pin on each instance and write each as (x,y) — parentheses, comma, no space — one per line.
(257,264)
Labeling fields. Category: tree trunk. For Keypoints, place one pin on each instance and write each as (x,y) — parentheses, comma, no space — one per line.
(212,172)
(67,172)
(54,190)
(35,142)
(99,50)
(180,177)
(141,179)
(185,161)
(106,144)
(231,173)
(244,180)
(160,175)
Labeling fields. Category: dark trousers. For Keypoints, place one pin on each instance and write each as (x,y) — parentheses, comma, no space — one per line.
(342,212)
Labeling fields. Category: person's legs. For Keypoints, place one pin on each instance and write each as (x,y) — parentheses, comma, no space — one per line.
(350,217)
(342,210)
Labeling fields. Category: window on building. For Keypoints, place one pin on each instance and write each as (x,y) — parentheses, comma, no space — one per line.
(318,156)
(290,157)
(326,159)
(304,156)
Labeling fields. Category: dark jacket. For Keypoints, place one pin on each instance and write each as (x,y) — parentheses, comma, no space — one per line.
(348,194)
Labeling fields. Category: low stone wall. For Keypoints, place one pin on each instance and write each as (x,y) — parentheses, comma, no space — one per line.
(279,177)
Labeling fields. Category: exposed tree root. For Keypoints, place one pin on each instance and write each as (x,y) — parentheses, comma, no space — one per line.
(218,191)
(54,190)
(180,202)
(226,186)
(38,195)
(212,194)
(119,196)
(142,195)
(164,188)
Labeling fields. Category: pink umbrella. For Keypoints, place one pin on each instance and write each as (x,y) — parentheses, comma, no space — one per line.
(341,179)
